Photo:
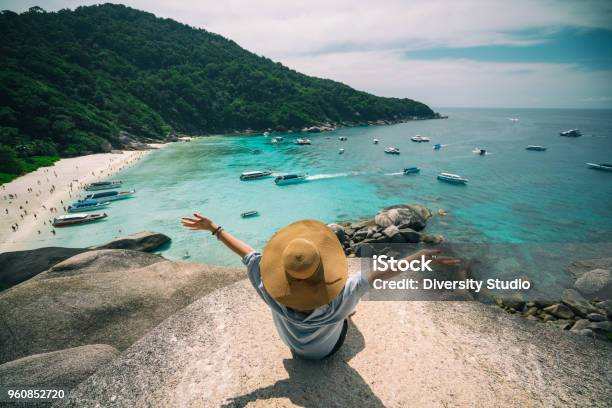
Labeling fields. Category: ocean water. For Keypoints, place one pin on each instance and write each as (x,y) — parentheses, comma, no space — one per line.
(514,197)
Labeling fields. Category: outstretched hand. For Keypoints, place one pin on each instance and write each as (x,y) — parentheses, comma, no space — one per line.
(438,260)
(198,222)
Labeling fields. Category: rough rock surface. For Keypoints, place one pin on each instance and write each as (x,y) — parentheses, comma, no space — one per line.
(19,266)
(223,350)
(146,241)
(104,303)
(595,283)
(582,266)
(62,369)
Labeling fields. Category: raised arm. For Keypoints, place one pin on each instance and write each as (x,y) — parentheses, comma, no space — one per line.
(200,222)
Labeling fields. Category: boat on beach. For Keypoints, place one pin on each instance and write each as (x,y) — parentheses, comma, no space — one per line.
(419,139)
(290,179)
(253,175)
(247,214)
(302,142)
(77,219)
(392,150)
(103,185)
(536,148)
(411,170)
(601,166)
(452,178)
(87,206)
(108,196)
(571,133)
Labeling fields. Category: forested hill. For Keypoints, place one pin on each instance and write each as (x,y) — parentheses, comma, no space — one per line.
(70,80)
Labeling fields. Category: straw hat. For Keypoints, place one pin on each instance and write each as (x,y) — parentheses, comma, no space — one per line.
(303,266)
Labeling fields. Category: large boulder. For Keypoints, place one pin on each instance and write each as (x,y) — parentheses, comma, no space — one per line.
(146,241)
(340,233)
(578,303)
(101,261)
(62,369)
(224,351)
(19,266)
(582,266)
(595,283)
(109,301)
(403,216)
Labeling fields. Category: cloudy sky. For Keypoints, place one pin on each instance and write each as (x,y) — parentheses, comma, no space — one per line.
(445,53)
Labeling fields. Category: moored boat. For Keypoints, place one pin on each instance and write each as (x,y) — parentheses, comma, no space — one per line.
(303,142)
(341,151)
(419,139)
(411,170)
(452,178)
(392,150)
(276,139)
(343,138)
(103,185)
(437,146)
(76,219)
(87,206)
(108,196)
(247,214)
(571,133)
(290,179)
(536,148)
(375,141)
(253,175)
(479,151)
(601,166)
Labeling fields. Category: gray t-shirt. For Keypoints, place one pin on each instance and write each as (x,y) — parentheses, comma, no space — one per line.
(311,335)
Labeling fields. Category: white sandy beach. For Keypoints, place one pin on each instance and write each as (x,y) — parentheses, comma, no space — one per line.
(42,195)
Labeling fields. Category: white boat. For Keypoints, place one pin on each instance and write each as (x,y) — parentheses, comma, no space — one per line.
(103,185)
(276,139)
(108,196)
(341,151)
(87,206)
(252,175)
(392,150)
(479,151)
(76,219)
(452,178)
(513,119)
(302,142)
(375,141)
(419,139)
(535,148)
(266,134)
(571,133)
(290,179)
(343,138)
(602,166)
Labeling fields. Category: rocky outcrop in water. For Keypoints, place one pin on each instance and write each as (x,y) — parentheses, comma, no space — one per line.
(399,224)
(147,241)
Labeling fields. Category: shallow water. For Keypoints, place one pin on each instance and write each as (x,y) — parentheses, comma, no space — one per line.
(513,195)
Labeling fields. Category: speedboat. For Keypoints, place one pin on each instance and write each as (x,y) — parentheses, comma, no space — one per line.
(341,151)
(375,141)
(419,139)
(392,150)
(247,214)
(302,141)
(108,196)
(479,151)
(411,170)
(571,133)
(513,119)
(76,219)
(252,175)
(87,206)
(437,146)
(343,138)
(602,166)
(290,179)
(535,148)
(103,185)
(452,178)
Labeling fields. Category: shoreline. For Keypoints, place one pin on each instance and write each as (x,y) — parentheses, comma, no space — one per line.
(41,195)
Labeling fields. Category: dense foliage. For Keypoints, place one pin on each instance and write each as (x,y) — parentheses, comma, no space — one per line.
(70,80)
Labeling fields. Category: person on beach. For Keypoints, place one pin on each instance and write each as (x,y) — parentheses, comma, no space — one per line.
(303,277)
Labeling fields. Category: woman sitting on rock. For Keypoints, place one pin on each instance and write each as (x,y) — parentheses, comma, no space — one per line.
(303,277)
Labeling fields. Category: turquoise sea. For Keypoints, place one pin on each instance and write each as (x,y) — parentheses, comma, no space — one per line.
(513,196)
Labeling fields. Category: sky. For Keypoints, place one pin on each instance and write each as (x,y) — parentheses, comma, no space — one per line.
(471,53)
